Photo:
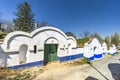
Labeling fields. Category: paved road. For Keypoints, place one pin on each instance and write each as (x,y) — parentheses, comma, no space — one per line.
(105,69)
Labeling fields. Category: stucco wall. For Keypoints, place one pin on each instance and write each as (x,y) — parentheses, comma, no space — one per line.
(45,35)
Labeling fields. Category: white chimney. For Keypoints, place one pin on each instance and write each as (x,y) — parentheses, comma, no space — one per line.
(36,25)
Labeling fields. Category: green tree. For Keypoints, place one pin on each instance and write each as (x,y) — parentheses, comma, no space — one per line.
(9,26)
(98,36)
(81,42)
(108,42)
(112,39)
(115,39)
(25,17)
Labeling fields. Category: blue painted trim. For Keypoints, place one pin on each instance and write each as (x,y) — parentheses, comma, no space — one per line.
(71,57)
(91,58)
(27,65)
(104,52)
(98,55)
(115,53)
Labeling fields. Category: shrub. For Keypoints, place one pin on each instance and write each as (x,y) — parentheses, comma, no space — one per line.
(2,34)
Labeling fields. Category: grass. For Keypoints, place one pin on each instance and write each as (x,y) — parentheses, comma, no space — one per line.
(78,62)
(5,72)
(26,75)
(41,71)
(9,74)
(21,76)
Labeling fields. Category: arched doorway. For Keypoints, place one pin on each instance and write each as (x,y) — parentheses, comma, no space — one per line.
(50,50)
(22,54)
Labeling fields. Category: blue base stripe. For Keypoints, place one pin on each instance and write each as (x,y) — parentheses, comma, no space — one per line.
(91,58)
(71,57)
(104,52)
(27,65)
(98,55)
(115,53)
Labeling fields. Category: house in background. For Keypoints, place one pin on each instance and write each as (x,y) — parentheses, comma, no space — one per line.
(112,50)
(104,48)
(94,49)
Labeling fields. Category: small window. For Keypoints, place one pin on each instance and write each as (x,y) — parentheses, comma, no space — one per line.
(35,49)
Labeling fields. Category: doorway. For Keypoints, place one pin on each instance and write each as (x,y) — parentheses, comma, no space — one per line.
(50,53)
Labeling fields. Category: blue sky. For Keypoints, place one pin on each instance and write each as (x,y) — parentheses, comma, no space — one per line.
(101,16)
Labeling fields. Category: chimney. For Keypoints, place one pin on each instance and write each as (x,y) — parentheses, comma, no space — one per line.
(36,25)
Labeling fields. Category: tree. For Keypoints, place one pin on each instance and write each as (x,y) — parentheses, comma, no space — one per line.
(112,39)
(9,26)
(85,34)
(70,34)
(25,17)
(108,42)
(1,23)
(98,36)
(81,42)
(2,27)
(115,39)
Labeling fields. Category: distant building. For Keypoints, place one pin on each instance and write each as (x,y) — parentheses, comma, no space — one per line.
(94,49)
(36,26)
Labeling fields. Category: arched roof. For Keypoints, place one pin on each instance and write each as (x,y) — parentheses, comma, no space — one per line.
(15,34)
(94,42)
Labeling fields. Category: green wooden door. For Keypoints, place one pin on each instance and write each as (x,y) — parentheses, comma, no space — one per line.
(50,52)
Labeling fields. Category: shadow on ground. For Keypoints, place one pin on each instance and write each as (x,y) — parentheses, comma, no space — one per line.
(115,70)
(91,78)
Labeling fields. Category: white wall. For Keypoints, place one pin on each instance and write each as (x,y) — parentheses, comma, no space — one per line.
(39,37)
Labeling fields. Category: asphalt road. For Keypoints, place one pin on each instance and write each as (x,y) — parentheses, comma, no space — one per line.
(106,69)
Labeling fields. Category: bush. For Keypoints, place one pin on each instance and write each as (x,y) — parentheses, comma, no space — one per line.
(2,34)
(80,42)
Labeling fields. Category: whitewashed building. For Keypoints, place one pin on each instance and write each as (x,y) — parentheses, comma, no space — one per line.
(93,50)
(20,49)
(104,48)
(112,50)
